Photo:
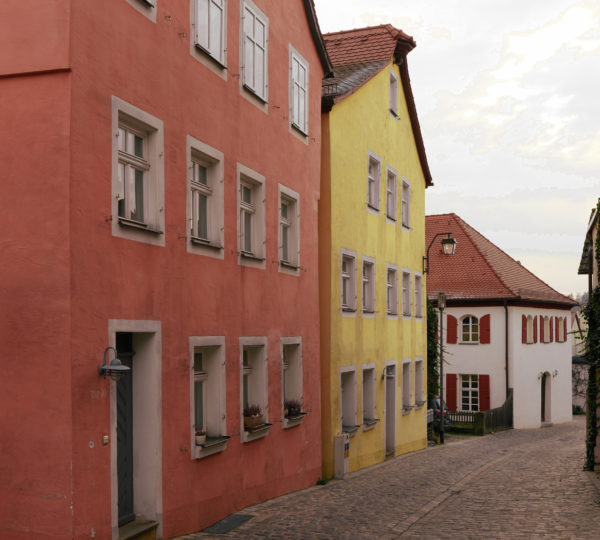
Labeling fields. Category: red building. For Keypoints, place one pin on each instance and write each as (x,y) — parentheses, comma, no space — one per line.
(161,165)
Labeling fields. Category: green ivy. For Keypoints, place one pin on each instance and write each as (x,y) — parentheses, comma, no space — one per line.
(433,373)
(591,313)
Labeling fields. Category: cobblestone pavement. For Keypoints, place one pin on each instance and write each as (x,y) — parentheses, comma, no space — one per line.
(515,484)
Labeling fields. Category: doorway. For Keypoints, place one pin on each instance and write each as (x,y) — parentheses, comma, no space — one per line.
(545,398)
(390,410)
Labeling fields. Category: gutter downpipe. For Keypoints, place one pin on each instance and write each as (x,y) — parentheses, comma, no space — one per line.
(506,343)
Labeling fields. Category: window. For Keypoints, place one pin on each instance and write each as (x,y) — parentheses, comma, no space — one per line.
(392,290)
(390,196)
(393,94)
(208,394)
(368,285)
(291,384)
(255,28)
(469,392)
(560,325)
(418,296)
(348,281)
(529,329)
(369,413)
(289,229)
(407,403)
(419,386)
(348,400)
(145,7)
(210,18)
(137,175)
(373,179)
(298,91)
(405,204)
(254,388)
(251,218)
(545,329)
(406,294)
(205,199)
(470,329)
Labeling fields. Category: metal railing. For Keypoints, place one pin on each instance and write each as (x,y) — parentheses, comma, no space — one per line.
(481,423)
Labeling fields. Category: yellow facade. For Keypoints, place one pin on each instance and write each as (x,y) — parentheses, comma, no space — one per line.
(357,125)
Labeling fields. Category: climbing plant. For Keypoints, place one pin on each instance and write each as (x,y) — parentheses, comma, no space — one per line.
(591,312)
(433,353)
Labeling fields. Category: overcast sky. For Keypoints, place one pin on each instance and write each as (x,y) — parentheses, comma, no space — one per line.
(508,97)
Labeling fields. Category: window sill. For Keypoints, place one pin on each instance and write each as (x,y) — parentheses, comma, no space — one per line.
(394,113)
(299,130)
(289,265)
(251,256)
(390,218)
(369,423)
(256,433)
(369,311)
(212,445)
(255,94)
(131,224)
(468,342)
(392,313)
(292,421)
(406,227)
(406,409)
(210,56)
(374,208)
(350,430)
(348,309)
(204,243)
(419,404)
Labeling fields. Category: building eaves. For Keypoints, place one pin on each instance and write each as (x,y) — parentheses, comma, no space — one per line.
(586,262)
(315,30)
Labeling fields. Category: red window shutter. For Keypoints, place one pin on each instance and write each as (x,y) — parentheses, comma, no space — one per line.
(557,327)
(523,329)
(535,329)
(551,326)
(484,392)
(484,329)
(451,391)
(541,329)
(451,332)
(565,334)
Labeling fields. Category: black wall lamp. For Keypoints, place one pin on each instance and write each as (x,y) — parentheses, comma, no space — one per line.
(448,247)
(115,369)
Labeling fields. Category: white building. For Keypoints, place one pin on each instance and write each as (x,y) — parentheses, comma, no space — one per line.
(503,328)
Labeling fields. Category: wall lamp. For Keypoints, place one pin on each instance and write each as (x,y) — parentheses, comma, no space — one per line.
(448,247)
(115,369)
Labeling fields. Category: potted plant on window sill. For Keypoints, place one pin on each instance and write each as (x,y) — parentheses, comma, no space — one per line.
(292,408)
(253,417)
(200,436)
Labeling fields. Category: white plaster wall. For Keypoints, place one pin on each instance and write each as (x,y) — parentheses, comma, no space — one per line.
(528,361)
(467,358)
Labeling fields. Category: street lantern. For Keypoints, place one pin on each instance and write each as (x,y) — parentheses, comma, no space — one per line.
(448,248)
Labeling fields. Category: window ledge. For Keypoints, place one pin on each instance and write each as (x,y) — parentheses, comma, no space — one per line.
(348,309)
(256,433)
(299,129)
(369,423)
(292,421)
(351,430)
(406,409)
(205,243)
(254,93)
(212,445)
(375,208)
(369,311)
(131,224)
(287,264)
(246,255)
(468,342)
(391,218)
(419,404)
(392,313)
(393,113)
(210,55)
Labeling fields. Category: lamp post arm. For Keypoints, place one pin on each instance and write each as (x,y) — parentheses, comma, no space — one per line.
(426,258)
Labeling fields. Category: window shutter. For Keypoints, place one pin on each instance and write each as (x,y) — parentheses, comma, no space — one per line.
(451,330)
(484,329)
(523,329)
(551,326)
(451,391)
(541,329)
(565,332)
(557,328)
(484,392)
(535,326)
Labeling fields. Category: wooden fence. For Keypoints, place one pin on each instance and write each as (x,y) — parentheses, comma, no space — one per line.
(480,423)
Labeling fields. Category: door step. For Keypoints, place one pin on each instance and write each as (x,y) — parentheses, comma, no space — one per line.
(138,530)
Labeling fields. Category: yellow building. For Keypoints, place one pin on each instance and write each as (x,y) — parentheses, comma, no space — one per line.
(372,242)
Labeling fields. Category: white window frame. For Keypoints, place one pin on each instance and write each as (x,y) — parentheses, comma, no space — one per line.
(392,291)
(246,177)
(391,196)
(369,396)
(145,7)
(470,329)
(407,397)
(291,377)
(214,393)
(299,93)
(418,291)
(291,223)
(258,383)
(150,128)
(250,45)
(373,183)
(368,285)
(406,294)
(405,204)
(470,389)
(210,42)
(199,153)
(348,405)
(420,397)
(348,279)
(393,94)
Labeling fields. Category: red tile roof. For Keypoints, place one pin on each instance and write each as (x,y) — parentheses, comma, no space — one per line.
(479,270)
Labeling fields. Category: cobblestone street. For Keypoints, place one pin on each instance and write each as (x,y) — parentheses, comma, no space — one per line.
(514,484)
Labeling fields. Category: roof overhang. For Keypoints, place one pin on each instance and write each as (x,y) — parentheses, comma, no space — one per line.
(315,30)
(586,263)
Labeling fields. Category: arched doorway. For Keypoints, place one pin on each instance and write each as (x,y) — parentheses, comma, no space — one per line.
(545,396)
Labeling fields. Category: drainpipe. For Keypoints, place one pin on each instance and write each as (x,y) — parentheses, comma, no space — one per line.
(506,344)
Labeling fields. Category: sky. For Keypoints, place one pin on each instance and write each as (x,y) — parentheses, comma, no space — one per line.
(508,98)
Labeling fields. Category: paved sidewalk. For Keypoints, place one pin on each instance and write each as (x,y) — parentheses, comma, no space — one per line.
(518,484)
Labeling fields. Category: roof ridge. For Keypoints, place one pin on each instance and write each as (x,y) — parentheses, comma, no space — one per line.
(383,26)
